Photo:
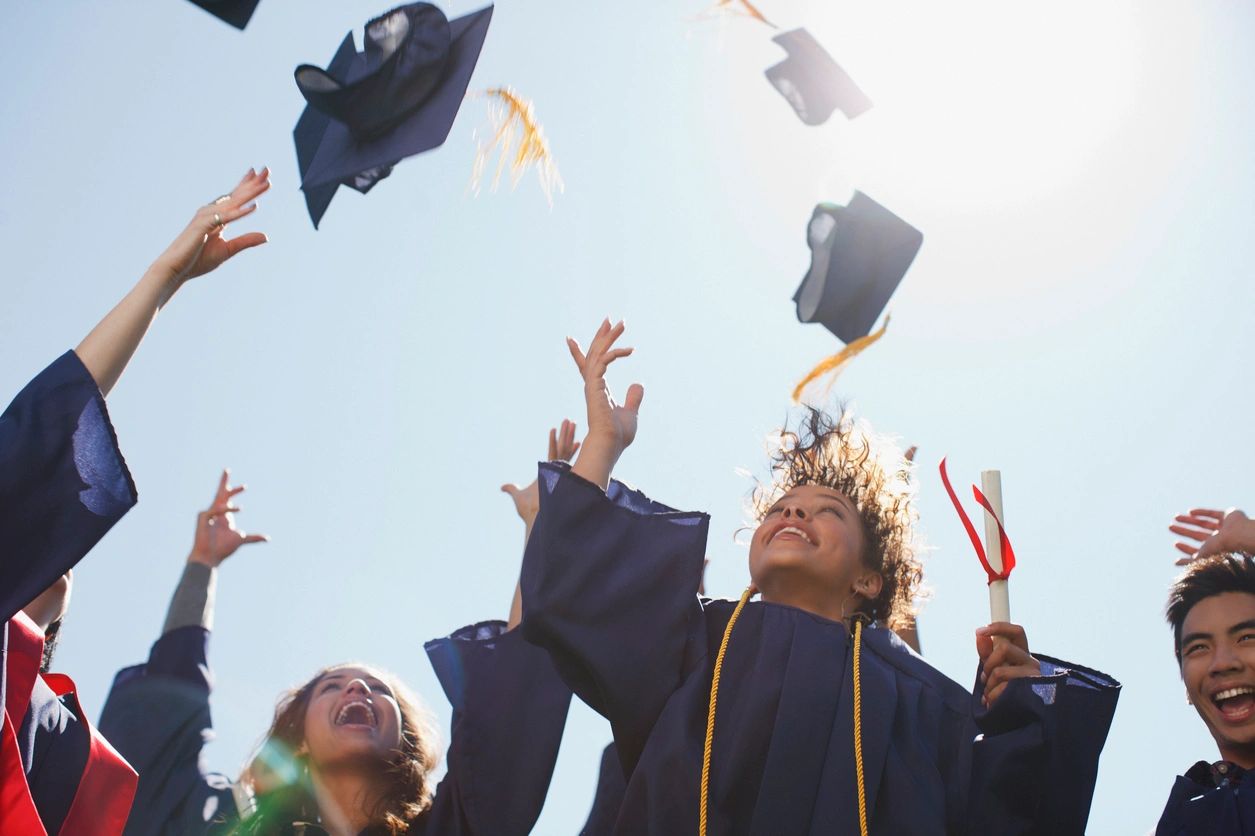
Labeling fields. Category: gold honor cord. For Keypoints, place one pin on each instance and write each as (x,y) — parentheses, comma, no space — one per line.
(714,698)
(837,362)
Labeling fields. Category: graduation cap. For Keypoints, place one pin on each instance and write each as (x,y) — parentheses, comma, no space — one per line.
(369,110)
(235,12)
(859,254)
(814,83)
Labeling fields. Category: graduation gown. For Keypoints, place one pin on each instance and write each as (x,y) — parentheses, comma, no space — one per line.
(609,795)
(609,588)
(509,711)
(63,485)
(1199,806)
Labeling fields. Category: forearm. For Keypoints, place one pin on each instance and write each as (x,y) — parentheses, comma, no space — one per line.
(111,344)
(193,601)
(516,606)
(596,461)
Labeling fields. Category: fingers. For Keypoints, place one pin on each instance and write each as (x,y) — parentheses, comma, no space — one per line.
(256,538)
(553,444)
(635,394)
(1187,548)
(1192,533)
(1013,633)
(1212,513)
(576,354)
(1204,523)
(222,485)
(511,489)
(246,241)
(909,455)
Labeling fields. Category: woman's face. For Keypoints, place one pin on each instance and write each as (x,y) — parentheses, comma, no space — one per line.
(812,537)
(352,715)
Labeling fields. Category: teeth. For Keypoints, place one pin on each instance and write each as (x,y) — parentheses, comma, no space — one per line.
(791,530)
(1233,692)
(342,717)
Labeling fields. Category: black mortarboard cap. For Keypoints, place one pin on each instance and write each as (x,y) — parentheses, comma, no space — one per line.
(368,111)
(814,83)
(859,254)
(235,12)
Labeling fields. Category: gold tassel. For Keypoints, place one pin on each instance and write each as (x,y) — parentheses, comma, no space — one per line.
(837,362)
(513,118)
(741,7)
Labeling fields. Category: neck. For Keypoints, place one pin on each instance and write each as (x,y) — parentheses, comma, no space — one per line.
(1243,756)
(807,595)
(345,798)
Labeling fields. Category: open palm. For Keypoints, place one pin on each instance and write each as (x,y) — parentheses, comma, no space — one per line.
(217,538)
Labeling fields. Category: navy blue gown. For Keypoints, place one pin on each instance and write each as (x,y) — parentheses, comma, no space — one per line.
(609,589)
(609,795)
(1203,803)
(63,485)
(509,711)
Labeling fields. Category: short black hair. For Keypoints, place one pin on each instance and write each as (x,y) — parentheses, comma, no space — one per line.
(1215,575)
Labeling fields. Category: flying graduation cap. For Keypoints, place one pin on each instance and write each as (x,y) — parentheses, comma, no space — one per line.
(235,12)
(859,254)
(370,110)
(814,83)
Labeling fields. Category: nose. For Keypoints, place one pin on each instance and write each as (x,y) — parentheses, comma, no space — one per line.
(1225,660)
(794,511)
(358,686)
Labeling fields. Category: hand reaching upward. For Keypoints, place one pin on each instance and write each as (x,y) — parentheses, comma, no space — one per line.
(562,447)
(1214,531)
(217,538)
(611,426)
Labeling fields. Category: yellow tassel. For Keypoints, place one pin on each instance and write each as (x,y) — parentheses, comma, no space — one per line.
(710,715)
(858,729)
(514,119)
(838,361)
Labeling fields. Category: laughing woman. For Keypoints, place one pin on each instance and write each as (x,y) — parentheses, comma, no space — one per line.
(796,713)
(349,751)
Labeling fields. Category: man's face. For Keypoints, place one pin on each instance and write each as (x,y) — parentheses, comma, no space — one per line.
(52,603)
(1218,668)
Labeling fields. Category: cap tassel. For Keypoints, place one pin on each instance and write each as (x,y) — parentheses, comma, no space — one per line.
(514,119)
(743,7)
(837,362)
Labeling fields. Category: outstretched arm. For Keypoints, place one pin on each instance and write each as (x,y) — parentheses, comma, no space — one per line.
(611,427)
(562,446)
(1214,532)
(198,249)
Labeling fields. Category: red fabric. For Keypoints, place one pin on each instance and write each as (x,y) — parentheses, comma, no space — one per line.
(1008,554)
(107,785)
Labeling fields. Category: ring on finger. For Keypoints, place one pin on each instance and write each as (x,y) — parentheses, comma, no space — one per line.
(217,220)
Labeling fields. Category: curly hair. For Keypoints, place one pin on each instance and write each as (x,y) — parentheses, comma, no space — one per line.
(844,455)
(282,791)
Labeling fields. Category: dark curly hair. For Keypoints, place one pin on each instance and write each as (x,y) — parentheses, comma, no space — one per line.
(281,789)
(843,454)
(1215,575)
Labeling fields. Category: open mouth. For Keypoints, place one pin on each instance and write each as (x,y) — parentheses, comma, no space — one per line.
(357,715)
(1236,705)
(791,532)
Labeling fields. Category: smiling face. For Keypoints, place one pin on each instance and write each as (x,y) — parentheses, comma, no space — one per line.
(808,552)
(352,716)
(1218,668)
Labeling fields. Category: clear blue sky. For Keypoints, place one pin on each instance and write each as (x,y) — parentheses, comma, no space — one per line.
(1079,316)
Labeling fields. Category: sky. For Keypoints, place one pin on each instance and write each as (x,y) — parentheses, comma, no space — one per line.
(1078,317)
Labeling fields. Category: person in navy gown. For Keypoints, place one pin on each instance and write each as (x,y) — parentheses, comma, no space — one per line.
(63,484)
(349,751)
(609,589)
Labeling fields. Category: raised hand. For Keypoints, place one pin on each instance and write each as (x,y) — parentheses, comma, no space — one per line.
(1214,532)
(1003,661)
(217,538)
(201,247)
(611,426)
(562,446)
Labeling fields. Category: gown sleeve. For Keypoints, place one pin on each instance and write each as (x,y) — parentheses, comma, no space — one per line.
(157,717)
(1035,761)
(509,712)
(609,796)
(63,481)
(610,584)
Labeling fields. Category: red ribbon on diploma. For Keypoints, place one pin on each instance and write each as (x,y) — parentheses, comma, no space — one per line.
(1008,554)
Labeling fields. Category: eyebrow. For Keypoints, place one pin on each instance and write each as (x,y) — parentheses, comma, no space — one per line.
(1249,624)
(339,676)
(827,495)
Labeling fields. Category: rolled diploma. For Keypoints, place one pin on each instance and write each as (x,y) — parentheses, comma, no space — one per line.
(999,600)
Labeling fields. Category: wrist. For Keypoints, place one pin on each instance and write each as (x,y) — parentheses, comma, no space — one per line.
(162,281)
(203,560)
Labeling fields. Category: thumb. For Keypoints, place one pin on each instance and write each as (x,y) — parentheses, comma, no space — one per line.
(984,646)
(512,490)
(635,394)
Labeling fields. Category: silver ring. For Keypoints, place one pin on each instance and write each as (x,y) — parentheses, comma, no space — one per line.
(223,199)
(217,220)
